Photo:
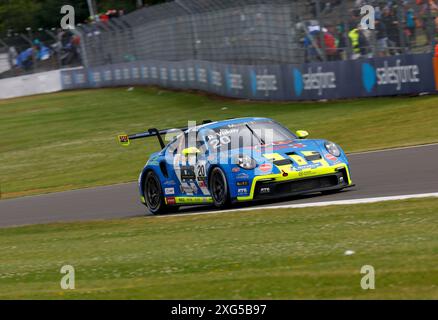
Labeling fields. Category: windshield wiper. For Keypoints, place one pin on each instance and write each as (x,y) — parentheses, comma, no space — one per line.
(262,142)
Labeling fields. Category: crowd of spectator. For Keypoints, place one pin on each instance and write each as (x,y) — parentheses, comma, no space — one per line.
(397,26)
(333,32)
(106,16)
(64,47)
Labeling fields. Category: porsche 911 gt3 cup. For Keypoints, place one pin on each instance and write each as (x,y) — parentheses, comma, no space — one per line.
(237,160)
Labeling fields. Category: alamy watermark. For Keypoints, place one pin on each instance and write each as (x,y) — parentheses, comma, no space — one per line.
(368,281)
(68,20)
(368,20)
(68,280)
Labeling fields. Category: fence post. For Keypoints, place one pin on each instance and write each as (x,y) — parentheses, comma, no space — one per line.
(3,44)
(123,25)
(84,57)
(430,27)
(194,29)
(58,53)
(11,58)
(346,29)
(321,33)
(401,17)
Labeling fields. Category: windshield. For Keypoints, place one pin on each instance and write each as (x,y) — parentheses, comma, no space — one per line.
(246,134)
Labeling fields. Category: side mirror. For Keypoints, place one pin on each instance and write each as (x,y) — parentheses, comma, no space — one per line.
(190,151)
(302,134)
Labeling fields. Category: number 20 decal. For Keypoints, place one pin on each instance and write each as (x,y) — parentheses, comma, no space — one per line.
(216,143)
(201,171)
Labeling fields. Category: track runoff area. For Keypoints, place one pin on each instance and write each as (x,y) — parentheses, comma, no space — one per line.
(392,174)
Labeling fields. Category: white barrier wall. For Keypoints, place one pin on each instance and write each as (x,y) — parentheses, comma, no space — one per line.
(44,82)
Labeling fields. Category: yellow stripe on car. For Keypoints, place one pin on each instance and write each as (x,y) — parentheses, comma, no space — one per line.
(273,156)
(193,200)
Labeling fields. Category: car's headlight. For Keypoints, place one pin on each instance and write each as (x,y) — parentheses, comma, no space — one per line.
(246,162)
(332,148)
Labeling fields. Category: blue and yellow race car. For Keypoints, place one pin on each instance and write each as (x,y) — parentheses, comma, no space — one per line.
(237,160)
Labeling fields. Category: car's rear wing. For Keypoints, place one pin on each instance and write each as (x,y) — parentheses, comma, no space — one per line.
(125,139)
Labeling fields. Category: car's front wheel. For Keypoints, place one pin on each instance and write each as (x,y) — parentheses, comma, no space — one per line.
(219,188)
(153,195)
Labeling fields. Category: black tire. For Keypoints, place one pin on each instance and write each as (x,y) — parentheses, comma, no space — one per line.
(153,195)
(219,188)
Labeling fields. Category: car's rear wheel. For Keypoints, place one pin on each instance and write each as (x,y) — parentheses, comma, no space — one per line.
(153,195)
(219,188)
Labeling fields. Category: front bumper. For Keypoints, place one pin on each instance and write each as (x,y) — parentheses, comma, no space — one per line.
(297,183)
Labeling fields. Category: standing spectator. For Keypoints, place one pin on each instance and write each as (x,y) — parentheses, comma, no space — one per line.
(104,17)
(424,5)
(410,26)
(391,26)
(359,42)
(311,47)
(331,50)
(25,59)
(381,39)
(341,43)
(316,42)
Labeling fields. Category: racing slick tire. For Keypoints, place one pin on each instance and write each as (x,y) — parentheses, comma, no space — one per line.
(219,188)
(153,195)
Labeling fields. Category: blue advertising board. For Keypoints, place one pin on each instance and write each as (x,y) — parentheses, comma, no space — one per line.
(395,75)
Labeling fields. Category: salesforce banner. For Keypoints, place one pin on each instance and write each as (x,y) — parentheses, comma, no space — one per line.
(403,74)
(406,74)
(315,81)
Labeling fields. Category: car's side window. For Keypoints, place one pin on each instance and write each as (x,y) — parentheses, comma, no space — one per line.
(182,142)
(174,146)
(201,146)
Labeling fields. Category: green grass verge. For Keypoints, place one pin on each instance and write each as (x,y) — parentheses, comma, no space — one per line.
(68,140)
(270,254)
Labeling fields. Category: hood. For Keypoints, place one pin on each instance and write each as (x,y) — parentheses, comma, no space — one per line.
(300,154)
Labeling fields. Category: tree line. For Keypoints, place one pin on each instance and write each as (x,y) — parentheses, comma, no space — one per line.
(17,15)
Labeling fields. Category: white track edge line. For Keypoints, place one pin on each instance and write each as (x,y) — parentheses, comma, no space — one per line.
(393,149)
(315,204)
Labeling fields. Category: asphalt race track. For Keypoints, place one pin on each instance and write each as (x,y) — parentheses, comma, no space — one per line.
(393,172)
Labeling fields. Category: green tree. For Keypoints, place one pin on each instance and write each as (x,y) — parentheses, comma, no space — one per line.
(49,16)
(127,5)
(20,14)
